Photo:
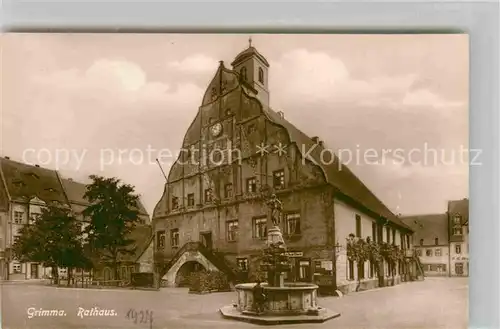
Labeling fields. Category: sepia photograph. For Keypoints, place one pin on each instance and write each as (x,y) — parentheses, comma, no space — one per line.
(234,180)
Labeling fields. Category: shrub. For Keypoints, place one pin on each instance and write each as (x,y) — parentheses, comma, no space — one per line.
(205,281)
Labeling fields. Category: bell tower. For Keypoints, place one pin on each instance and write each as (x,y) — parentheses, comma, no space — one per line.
(253,70)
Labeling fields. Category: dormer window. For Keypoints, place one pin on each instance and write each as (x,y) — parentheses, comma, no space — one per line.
(243,73)
(261,75)
(457,225)
(50,189)
(18,183)
(33,175)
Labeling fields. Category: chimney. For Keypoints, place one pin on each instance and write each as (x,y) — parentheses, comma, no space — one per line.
(8,158)
(38,166)
(315,139)
(281,114)
(320,143)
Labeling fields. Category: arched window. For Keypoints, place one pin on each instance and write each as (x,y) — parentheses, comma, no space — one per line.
(243,73)
(421,242)
(436,241)
(261,75)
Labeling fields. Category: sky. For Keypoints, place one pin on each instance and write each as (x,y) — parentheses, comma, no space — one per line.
(394,107)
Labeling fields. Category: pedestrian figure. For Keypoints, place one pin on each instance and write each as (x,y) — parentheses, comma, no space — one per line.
(258,297)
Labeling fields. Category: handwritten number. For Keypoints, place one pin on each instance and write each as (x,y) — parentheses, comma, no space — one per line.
(146,316)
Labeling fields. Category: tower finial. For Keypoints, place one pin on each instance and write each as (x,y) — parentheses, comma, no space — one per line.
(250,42)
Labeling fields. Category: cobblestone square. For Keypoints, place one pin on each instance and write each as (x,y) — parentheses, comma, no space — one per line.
(431,304)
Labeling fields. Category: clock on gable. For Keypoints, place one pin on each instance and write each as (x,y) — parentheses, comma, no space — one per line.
(216,129)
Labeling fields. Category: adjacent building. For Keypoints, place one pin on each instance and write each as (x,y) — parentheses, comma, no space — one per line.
(442,240)
(24,191)
(458,226)
(212,213)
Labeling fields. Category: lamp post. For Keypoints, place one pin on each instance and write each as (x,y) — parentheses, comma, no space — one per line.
(336,249)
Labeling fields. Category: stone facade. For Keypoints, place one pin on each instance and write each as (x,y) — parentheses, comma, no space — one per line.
(237,149)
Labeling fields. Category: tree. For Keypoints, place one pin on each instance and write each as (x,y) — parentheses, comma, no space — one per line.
(391,254)
(358,251)
(113,215)
(54,240)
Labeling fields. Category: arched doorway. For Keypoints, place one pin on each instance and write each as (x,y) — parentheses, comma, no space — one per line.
(107,274)
(184,272)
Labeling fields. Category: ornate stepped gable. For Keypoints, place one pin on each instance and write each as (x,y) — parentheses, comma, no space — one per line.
(226,81)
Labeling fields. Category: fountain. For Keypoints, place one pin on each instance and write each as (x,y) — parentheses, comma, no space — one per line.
(284,302)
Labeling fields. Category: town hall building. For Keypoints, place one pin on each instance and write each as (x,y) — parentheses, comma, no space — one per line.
(237,150)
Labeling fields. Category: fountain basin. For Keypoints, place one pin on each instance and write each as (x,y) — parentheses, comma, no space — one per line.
(292,299)
(292,303)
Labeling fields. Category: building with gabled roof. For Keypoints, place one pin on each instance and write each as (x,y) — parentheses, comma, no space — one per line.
(442,240)
(237,147)
(24,190)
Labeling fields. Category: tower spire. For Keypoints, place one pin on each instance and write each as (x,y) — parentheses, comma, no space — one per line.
(250,42)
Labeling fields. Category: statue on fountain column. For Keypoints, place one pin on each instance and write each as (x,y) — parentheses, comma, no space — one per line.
(276,208)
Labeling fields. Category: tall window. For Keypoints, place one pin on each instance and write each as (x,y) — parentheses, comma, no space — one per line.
(160,239)
(358,226)
(243,73)
(407,241)
(34,217)
(16,267)
(261,75)
(394,236)
(279,179)
(373,269)
(174,237)
(190,199)
(293,224)
(175,202)
(436,241)
(251,185)
(242,264)
(421,242)
(374,232)
(259,228)
(457,225)
(351,270)
(388,234)
(208,195)
(361,270)
(232,230)
(18,217)
(228,190)
(458,249)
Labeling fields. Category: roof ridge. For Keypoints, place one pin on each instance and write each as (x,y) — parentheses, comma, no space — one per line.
(423,215)
(345,168)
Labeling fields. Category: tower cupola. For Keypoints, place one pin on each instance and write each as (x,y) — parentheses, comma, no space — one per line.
(253,69)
